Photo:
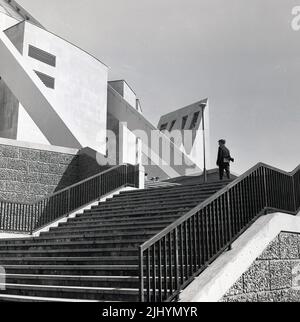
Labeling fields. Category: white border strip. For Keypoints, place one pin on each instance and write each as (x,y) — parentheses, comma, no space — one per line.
(65,219)
(37,146)
(224,272)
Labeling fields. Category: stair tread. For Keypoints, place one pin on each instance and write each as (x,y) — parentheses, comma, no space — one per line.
(63,287)
(95,254)
(42,299)
(77,277)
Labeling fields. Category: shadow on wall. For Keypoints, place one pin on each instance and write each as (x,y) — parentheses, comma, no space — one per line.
(28,175)
(85,165)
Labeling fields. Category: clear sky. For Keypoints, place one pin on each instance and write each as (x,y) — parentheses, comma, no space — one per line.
(241,54)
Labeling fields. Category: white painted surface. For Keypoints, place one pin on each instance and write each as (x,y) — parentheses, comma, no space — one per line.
(13,236)
(28,130)
(129,95)
(194,147)
(125,91)
(6,21)
(36,146)
(141,177)
(30,91)
(13,9)
(128,148)
(6,9)
(80,94)
(141,127)
(225,271)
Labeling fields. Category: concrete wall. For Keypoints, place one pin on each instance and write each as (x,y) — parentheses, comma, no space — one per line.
(262,265)
(194,146)
(29,172)
(12,9)
(80,94)
(274,276)
(9,108)
(141,127)
(6,21)
(125,91)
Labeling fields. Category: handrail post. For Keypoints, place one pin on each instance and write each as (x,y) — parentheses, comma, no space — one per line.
(141,267)
(31,213)
(265,188)
(229,219)
(69,202)
(294,194)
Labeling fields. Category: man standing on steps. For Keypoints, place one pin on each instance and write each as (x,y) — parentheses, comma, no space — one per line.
(223,161)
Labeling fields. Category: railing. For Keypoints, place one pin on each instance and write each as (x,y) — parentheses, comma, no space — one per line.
(169,261)
(29,217)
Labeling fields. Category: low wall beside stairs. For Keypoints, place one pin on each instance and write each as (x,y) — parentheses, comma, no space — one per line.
(263,265)
(274,276)
(29,172)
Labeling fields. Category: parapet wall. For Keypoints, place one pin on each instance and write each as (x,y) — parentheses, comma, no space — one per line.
(274,276)
(263,265)
(29,172)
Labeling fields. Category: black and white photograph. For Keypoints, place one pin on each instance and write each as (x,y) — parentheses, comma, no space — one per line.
(149,154)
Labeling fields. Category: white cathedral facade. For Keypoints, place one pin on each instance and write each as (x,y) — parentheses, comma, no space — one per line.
(54,93)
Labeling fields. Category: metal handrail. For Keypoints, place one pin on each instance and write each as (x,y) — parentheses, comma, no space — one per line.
(28,217)
(262,188)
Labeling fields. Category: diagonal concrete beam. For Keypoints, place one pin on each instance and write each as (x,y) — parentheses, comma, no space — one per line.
(30,92)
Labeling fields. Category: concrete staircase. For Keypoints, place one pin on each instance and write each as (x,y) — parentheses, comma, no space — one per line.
(94,256)
(159,184)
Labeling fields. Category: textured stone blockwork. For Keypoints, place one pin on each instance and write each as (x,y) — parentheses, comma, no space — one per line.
(274,276)
(30,174)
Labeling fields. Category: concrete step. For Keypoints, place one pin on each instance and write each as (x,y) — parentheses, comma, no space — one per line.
(93,270)
(84,252)
(85,236)
(112,229)
(86,293)
(118,215)
(158,204)
(86,220)
(35,299)
(99,260)
(181,188)
(94,256)
(74,280)
(170,196)
(163,206)
(124,243)
(115,224)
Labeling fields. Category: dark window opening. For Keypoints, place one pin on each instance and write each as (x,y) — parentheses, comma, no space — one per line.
(172,125)
(42,56)
(184,120)
(47,80)
(194,120)
(163,126)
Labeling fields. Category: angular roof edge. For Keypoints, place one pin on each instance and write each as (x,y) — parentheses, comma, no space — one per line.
(203,101)
(23,13)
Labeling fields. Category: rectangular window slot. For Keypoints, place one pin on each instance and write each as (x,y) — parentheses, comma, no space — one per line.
(42,56)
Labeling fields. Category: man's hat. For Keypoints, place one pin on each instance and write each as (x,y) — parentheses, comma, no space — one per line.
(222,141)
